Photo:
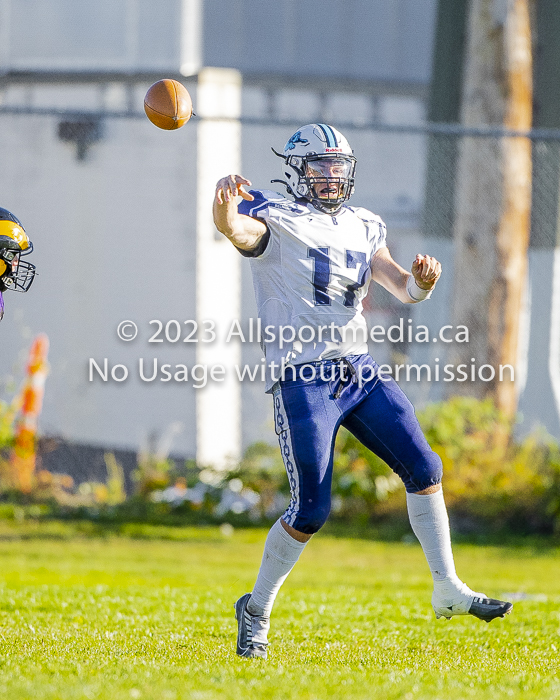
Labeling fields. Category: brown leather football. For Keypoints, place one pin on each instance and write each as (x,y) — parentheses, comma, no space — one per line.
(168,104)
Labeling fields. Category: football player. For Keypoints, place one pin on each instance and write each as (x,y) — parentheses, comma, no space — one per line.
(15,274)
(312,258)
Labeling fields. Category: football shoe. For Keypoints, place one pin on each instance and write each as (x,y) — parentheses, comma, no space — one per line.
(251,630)
(468,602)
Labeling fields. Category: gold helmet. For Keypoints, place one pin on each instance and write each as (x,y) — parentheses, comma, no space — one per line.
(15,274)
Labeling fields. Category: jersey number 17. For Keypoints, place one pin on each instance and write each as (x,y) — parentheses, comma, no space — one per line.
(322,275)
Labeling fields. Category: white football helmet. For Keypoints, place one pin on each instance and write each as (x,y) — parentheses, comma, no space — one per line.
(319,166)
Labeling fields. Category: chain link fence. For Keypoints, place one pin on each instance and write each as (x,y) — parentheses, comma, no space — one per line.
(445,180)
(424,180)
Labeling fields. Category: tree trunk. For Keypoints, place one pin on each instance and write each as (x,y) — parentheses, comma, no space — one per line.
(494,196)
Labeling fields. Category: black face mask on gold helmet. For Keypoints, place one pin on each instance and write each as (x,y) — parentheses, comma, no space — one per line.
(15,274)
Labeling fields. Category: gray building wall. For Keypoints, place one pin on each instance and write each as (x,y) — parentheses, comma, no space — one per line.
(366,40)
(110,35)
(389,40)
(114,239)
(114,233)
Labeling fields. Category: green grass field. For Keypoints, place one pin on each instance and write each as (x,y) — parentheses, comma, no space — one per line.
(120,617)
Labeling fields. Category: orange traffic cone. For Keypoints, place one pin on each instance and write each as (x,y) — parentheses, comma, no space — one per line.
(30,403)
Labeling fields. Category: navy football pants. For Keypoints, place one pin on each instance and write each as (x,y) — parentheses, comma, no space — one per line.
(308,412)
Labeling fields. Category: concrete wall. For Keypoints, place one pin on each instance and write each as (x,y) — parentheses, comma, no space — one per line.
(359,39)
(102,35)
(115,239)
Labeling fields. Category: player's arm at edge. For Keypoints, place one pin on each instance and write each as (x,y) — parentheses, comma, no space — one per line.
(243,231)
(425,273)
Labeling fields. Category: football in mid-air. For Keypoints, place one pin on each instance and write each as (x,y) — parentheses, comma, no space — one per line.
(168,104)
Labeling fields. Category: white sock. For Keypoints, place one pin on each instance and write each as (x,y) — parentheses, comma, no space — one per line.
(429,520)
(281,552)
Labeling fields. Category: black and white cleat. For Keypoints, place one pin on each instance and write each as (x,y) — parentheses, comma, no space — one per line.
(251,631)
(467,602)
(488,609)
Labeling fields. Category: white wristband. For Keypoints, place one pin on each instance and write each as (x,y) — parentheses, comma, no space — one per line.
(415,292)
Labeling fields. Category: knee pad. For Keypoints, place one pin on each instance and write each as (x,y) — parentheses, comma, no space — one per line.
(427,472)
(311,519)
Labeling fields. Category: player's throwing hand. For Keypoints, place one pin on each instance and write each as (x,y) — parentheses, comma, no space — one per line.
(426,271)
(229,187)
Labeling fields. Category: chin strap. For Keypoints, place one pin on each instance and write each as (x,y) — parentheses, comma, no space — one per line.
(286,185)
(323,208)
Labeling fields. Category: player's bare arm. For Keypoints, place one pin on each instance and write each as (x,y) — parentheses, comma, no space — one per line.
(425,271)
(243,231)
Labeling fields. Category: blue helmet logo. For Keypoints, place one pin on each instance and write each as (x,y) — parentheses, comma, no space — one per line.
(296,138)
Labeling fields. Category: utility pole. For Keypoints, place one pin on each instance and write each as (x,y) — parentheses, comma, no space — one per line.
(494,195)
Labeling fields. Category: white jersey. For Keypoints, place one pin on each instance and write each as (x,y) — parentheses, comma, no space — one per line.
(311,279)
